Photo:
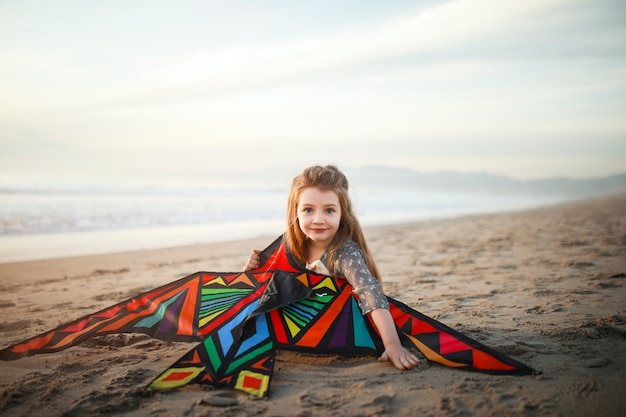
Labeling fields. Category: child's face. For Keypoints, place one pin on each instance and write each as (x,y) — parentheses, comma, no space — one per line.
(319,214)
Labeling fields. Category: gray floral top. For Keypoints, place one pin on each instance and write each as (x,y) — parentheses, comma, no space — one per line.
(350,264)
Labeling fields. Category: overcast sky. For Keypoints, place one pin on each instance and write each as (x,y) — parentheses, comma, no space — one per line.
(527,89)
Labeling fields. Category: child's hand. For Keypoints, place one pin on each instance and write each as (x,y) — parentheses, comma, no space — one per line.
(253,261)
(399,357)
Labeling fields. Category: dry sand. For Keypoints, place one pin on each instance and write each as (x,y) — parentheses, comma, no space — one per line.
(544,286)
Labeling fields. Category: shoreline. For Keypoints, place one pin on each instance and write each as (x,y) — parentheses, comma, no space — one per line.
(546,286)
(49,245)
(29,247)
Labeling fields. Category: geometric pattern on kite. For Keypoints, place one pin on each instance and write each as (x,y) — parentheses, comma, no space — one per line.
(240,319)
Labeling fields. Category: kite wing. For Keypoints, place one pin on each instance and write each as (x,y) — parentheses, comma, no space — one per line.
(238,353)
(446,346)
(184,310)
(241,318)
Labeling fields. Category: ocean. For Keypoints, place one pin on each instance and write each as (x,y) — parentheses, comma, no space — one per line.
(38,222)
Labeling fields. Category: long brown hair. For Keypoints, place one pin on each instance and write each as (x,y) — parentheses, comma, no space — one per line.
(326,178)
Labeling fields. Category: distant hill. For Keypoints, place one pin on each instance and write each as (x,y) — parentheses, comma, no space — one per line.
(378,177)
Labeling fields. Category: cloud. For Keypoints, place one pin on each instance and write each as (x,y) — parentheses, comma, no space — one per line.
(470,79)
(305,58)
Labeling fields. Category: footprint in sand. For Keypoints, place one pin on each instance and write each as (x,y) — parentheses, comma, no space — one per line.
(15,325)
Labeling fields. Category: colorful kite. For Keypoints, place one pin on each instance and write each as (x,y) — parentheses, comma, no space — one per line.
(240,319)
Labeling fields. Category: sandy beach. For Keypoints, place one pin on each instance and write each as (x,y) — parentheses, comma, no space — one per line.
(545,286)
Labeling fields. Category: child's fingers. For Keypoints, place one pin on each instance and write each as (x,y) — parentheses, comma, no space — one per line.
(401,362)
(254,260)
(385,357)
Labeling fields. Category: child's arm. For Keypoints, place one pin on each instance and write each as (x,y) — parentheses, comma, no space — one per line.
(400,357)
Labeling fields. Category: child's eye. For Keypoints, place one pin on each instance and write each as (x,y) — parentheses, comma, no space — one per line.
(307,210)
(330,210)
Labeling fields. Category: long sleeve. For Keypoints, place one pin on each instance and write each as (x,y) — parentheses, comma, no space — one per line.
(351,265)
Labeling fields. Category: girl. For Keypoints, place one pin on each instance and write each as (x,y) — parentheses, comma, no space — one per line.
(324,235)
